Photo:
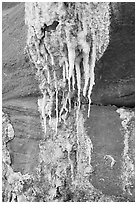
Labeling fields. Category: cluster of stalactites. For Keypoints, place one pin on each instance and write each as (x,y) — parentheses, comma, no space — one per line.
(84,29)
(87,55)
(91,41)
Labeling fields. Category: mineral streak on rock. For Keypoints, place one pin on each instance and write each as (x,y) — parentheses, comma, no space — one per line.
(128,167)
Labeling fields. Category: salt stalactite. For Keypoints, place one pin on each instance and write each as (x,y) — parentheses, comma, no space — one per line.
(56,92)
(64,64)
(78,77)
(64,73)
(85,49)
(86,73)
(71,53)
(67,66)
(92,66)
(50,103)
(71,44)
(73,80)
(71,56)
(47,73)
(44,101)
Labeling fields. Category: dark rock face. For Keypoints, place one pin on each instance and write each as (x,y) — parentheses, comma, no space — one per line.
(24,148)
(19,91)
(115,71)
(119,93)
(8,5)
(109,143)
(18,78)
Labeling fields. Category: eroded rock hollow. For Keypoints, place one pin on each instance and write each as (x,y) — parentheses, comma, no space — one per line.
(86,152)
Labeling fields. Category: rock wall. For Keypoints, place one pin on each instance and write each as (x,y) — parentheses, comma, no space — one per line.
(111,131)
(87,151)
(12,189)
(89,165)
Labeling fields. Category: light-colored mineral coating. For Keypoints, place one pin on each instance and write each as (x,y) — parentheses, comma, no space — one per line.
(78,78)
(85,148)
(65,58)
(128,169)
(82,35)
(56,156)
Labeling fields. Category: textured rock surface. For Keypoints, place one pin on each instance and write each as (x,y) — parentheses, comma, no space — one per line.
(111,131)
(12,181)
(17,76)
(19,90)
(69,157)
(24,148)
(115,70)
(68,173)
